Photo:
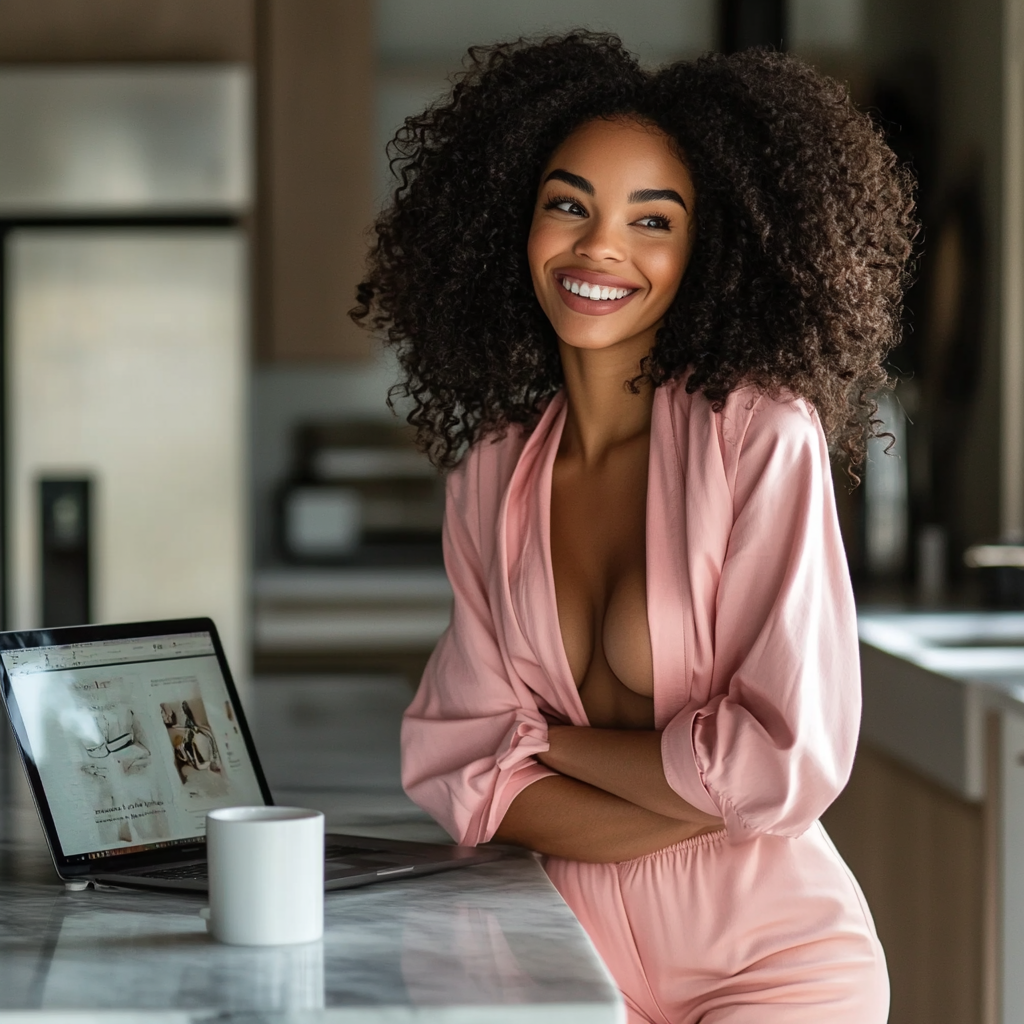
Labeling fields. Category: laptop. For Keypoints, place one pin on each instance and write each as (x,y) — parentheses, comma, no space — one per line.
(130,733)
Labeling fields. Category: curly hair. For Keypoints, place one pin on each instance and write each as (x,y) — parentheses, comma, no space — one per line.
(804,231)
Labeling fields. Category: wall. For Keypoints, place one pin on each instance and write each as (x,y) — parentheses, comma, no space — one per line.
(963,41)
(968,45)
(420,42)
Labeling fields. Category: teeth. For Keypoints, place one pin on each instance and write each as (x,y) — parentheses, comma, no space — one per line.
(596,293)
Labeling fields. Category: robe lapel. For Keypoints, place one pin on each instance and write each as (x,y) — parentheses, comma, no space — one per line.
(668,592)
(525,530)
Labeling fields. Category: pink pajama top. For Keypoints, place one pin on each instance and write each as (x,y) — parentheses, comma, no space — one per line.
(749,603)
(756,692)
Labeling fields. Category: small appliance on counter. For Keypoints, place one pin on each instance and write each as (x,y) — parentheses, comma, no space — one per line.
(361,493)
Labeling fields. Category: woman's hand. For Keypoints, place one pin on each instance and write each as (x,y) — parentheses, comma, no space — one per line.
(626,763)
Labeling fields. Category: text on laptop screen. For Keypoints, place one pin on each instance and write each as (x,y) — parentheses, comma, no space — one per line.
(134,740)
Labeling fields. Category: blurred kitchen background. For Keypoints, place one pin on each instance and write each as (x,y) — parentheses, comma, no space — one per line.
(192,425)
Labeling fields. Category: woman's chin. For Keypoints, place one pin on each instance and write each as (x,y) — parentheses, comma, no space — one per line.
(596,341)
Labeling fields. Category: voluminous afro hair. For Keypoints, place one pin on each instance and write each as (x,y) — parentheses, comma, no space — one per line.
(804,229)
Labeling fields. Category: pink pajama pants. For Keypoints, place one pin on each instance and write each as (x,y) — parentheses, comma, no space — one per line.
(771,931)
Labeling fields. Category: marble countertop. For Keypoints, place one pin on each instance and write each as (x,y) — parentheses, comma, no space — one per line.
(482,944)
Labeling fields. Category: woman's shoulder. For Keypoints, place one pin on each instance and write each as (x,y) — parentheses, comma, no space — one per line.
(490,458)
(750,424)
(747,407)
(476,485)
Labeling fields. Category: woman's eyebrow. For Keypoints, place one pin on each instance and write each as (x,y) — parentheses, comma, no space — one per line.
(643,195)
(652,195)
(570,179)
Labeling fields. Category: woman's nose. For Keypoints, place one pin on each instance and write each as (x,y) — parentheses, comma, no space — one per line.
(600,241)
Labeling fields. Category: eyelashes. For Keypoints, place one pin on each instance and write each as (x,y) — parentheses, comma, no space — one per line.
(663,223)
(556,201)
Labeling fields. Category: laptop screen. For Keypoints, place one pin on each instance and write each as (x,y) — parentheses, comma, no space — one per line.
(134,740)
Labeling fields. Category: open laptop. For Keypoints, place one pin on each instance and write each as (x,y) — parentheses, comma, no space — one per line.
(129,734)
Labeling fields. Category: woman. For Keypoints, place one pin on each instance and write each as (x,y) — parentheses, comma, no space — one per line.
(631,307)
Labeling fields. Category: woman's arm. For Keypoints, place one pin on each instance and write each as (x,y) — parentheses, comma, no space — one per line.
(567,818)
(470,732)
(768,741)
(624,762)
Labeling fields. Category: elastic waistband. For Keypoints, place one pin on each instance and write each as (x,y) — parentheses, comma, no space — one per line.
(693,843)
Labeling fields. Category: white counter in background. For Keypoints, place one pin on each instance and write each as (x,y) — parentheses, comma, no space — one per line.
(930,678)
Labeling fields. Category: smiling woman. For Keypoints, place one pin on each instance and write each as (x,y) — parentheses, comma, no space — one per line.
(632,309)
(609,223)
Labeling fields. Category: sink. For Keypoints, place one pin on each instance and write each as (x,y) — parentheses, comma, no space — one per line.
(968,645)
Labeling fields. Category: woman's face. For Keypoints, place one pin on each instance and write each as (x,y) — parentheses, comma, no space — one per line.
(612,233)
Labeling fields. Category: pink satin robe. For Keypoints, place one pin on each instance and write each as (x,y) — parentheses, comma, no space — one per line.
(756,691)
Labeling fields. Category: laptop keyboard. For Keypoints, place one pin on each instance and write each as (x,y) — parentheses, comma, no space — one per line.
(182,872)
(197,872)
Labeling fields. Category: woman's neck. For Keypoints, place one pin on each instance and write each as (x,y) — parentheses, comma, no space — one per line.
(602,412)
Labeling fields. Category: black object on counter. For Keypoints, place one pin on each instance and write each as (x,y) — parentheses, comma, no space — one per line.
(1001,571)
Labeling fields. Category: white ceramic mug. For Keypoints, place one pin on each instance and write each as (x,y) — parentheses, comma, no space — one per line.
(266,870)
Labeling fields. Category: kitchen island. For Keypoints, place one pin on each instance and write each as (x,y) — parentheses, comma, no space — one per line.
(493,943)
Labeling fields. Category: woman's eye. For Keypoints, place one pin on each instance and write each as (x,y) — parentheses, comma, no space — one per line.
(661,223)
(566,206)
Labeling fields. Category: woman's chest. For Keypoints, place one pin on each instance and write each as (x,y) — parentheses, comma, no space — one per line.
(663,532)
(598,561)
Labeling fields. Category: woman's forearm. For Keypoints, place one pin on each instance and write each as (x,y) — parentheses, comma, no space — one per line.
(567,818)
(624,762)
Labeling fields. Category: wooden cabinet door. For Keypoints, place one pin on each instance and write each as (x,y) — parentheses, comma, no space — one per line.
(316,69)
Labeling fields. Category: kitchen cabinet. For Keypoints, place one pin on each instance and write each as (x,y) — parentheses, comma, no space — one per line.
(316,75)
(932,821)
(126,30)
(917,850)
(315,68)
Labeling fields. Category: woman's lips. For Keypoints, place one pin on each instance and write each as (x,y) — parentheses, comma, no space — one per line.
(578,304)
(592,277)
(588,306)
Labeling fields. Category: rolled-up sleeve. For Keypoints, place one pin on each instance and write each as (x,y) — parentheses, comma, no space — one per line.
(773,745)
(470,735)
